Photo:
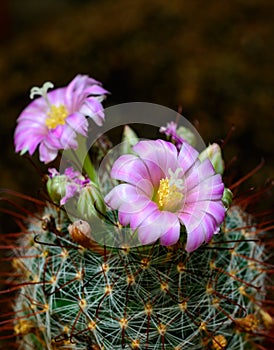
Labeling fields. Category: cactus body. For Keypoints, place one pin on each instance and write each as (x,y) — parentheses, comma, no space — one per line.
(149,297)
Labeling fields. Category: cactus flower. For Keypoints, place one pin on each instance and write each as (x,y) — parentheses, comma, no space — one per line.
(165,189)
(53,120)
(178,135)
(72,184)
(62,187)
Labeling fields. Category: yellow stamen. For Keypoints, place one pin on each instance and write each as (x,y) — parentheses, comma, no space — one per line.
(169,193)
(163,192)
(56,116)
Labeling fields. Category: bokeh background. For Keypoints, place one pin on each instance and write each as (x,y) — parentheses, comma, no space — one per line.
(213,59)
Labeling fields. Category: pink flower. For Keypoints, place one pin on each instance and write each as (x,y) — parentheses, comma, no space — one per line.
(171,131)
(165,189)
(53,120)
(63,187)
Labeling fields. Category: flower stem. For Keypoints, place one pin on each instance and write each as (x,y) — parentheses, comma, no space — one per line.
(90,170)
(82,159)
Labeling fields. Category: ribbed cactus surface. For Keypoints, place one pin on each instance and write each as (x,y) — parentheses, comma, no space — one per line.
(148,297)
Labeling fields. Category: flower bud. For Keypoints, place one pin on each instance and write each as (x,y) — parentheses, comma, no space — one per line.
(90,202)
(214,154)
(129,139)
(187,135)
(56,187)
(227,198)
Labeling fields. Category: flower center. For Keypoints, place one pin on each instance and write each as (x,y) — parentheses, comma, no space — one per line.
(169,194)
(56,116)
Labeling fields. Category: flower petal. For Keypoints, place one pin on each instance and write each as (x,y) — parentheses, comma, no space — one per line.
(131,169)
(124,193)
(47,154)
(209,189)
(187,157)
(139,213)
(195,238)
(93,109)
(78,123)
(158,153)
(156,225)
(57,97)
(172,235)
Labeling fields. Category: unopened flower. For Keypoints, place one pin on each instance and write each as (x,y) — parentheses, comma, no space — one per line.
(165,189)
(53,120)
(56,185)
(178,135)
(62,187)
(73,185)
(227,197)
(214,154)
(90,202)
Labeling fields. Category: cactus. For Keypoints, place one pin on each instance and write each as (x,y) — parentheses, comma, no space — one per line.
(72,296)
(72,290)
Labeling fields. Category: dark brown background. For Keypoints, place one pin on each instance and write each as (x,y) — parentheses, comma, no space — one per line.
(212,58)
(215,59)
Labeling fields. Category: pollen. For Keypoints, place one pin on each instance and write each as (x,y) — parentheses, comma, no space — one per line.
(163,192)
(56,116)
(169,194)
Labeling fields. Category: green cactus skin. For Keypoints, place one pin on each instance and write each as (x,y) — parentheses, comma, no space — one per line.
(150,297)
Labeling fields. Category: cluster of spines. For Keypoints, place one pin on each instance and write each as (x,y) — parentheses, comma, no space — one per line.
(70,297)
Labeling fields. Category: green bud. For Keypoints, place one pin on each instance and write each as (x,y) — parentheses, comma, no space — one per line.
(56,187)
(90,202)
(129,139)
(187,135)
(227,197)
(214,154)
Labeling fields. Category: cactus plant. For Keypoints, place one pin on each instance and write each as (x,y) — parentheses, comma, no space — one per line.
(73,292)
(150,297)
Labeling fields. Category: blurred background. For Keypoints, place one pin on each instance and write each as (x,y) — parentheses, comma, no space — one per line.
(212,59)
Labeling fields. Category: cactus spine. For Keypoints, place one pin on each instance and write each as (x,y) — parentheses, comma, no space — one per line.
(151,297)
